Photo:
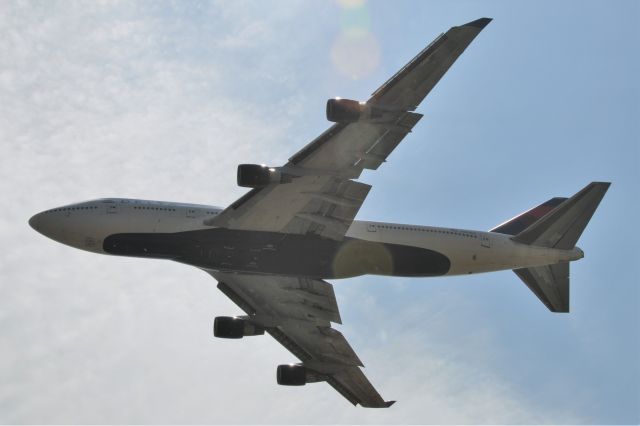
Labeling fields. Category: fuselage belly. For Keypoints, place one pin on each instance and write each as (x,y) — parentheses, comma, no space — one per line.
(177,232)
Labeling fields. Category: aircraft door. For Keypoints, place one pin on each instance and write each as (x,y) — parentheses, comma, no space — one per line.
(111,207)
(485,241)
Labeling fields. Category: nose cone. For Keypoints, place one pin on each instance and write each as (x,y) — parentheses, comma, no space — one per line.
(48,225)
(36,222)
(76,225)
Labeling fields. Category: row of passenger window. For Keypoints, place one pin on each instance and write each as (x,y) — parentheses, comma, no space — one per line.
(66,209)
(167,209)
(438,231)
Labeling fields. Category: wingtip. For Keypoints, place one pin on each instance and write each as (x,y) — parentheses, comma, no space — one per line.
(479,23)
(377,404)
(604,186)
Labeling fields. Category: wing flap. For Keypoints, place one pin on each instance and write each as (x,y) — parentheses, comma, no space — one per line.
(322,205)
(292,298)
(284,200)
(328,347)
(378,151)
(330,212)
(345,148)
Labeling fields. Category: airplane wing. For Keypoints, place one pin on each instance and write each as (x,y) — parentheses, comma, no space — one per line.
(321,198)
(298,313)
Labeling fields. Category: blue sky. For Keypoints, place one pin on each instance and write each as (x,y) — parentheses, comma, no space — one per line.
(163,100)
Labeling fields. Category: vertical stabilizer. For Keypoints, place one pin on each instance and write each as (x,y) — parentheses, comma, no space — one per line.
(562,227)
(524,220)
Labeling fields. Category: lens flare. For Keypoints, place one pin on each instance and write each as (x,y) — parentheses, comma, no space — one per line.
(350,4)
(355,52)
(355,19)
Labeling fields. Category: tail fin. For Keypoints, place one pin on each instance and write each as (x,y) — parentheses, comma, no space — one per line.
(524,220)
(558,223)
(561,227)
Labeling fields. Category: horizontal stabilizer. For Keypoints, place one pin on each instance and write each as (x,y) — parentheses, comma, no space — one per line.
(550,283)
(562,227)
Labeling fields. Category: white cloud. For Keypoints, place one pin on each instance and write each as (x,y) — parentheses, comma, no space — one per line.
(109,99)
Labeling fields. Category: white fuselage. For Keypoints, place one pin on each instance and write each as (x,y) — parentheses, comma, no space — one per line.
(86,225)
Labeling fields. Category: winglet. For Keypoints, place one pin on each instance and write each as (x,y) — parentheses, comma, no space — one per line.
(478,23)
(388,404)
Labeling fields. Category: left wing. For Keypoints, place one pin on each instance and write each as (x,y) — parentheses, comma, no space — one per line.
(298,313)
(319,196)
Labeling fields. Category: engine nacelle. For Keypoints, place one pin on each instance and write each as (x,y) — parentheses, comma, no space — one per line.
(350,111)
(291,375)
(258,176)
(297,375)
(344,110)
(235,328)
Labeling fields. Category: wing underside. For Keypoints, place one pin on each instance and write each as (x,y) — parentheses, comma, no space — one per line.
(322,198)
(298,313)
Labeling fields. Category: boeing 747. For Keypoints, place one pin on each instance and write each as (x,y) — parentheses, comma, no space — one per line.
(272,250)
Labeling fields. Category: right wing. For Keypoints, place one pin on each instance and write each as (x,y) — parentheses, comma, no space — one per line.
(323,199)
(298,313)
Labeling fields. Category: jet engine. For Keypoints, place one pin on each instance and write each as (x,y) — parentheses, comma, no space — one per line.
(258,176)
(235,328)
(344,110)
(291,375)
(350,111)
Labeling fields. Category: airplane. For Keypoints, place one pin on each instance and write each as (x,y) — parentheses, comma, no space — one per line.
(272,249)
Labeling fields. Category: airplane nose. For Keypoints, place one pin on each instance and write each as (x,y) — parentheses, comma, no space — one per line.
(49,226)
(36,221)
